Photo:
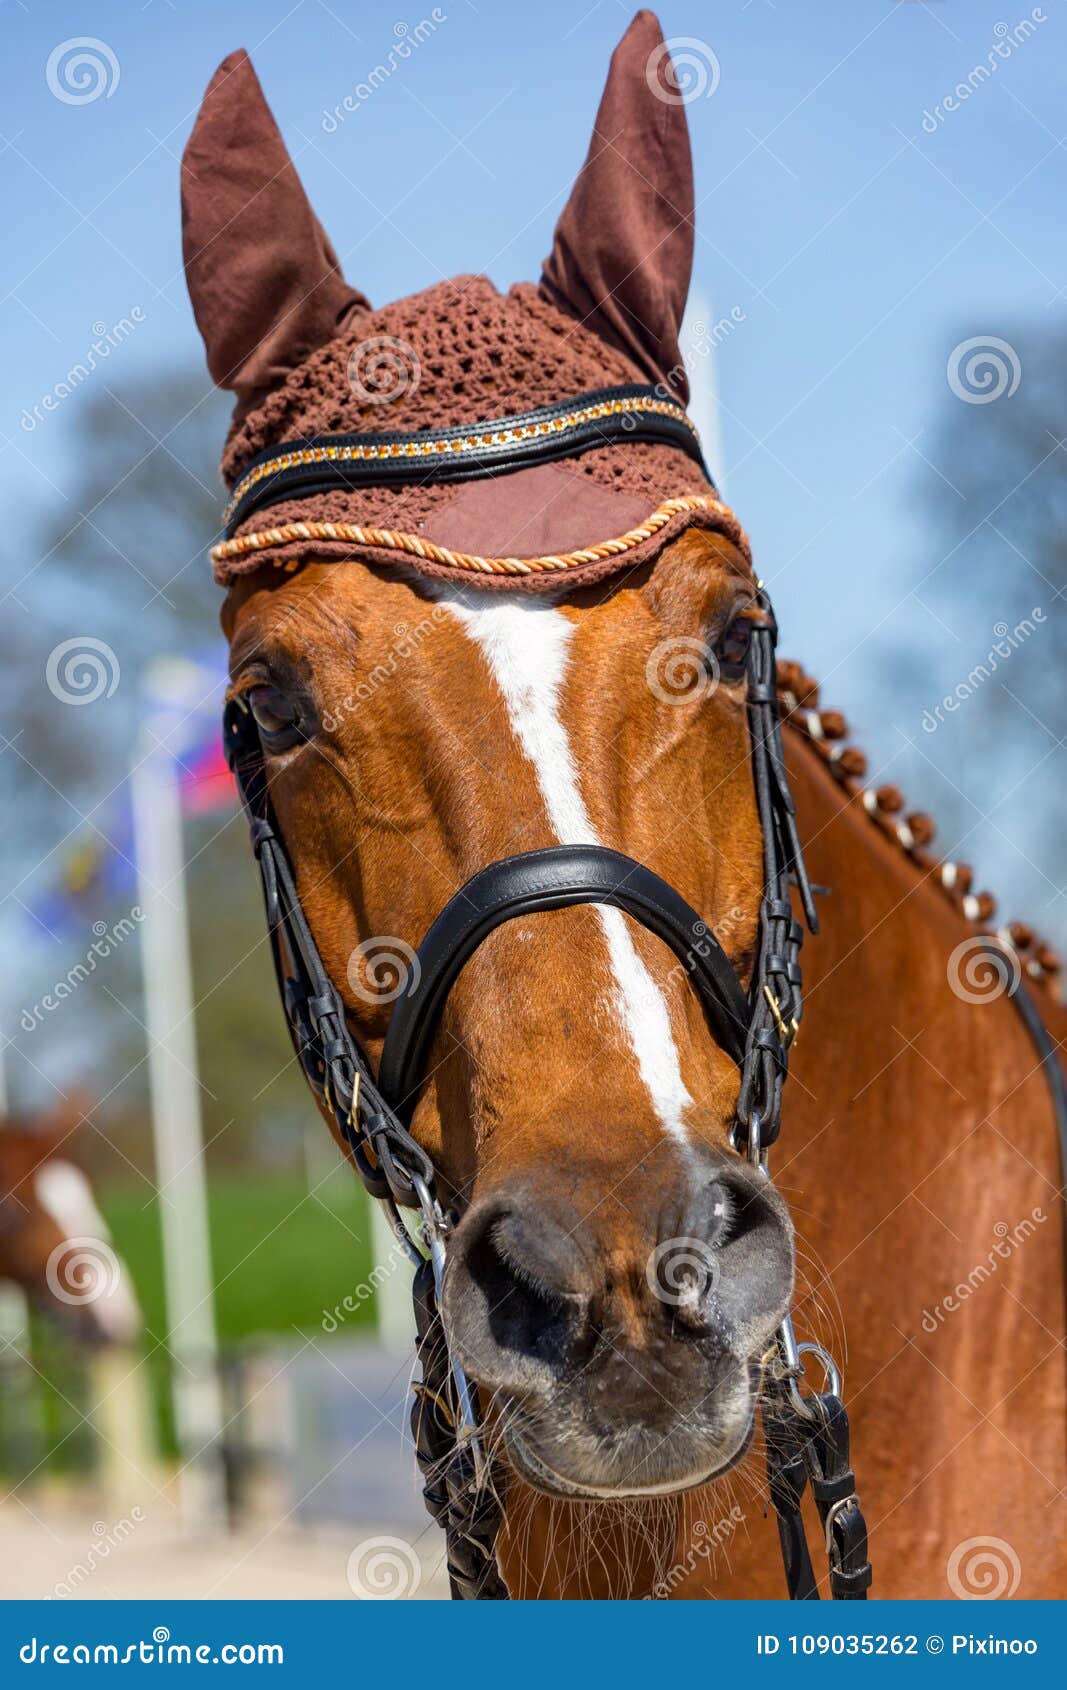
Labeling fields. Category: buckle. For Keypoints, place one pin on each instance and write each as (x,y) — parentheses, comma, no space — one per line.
(839,1507)
(789,1031)
(334,1104)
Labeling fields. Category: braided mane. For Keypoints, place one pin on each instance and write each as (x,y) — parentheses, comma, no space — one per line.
(826,731)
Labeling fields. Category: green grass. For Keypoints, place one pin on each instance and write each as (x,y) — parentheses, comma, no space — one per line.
(281,1259)
(279,1256)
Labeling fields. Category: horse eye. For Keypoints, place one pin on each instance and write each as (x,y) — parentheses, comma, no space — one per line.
(276,716)
(732,649)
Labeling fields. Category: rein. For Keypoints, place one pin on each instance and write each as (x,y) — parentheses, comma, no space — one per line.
(807,1434)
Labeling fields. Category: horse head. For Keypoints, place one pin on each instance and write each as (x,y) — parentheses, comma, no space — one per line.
(428,701)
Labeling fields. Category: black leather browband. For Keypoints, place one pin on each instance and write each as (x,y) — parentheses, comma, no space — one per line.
(552,879)
(633,414)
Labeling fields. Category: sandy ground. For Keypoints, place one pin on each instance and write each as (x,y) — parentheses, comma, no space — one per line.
(54,1548)
(329,1488)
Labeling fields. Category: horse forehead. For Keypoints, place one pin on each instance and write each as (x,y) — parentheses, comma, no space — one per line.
(530,644)
(525,641)
(65,1195)
(525,651)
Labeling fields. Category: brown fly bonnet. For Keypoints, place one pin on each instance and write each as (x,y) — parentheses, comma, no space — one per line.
(507,440)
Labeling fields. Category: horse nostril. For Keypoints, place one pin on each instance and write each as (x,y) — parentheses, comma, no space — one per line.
(523,1314)
(534,1297)
(683,1270)
(682,1273)
(726,1263)
(755,1258)
(514,1299)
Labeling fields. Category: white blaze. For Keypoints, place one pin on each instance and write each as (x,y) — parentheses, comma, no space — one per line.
(66,1196)
(525,644)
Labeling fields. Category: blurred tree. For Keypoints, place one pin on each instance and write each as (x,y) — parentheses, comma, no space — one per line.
(124,563)
(996,578)
(1002,453)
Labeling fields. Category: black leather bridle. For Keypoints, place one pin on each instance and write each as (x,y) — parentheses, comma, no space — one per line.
(807,1434)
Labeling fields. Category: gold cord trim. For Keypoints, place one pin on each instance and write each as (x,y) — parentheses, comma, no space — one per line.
(391,540)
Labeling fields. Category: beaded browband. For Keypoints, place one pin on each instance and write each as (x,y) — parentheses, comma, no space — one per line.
(610,416)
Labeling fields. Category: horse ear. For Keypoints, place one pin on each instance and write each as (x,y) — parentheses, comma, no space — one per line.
(623,249)
(263,277)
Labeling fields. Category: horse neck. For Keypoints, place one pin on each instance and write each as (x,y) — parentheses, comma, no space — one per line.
(913,1058)
(921,1160)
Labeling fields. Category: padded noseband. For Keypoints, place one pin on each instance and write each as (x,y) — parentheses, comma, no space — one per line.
(551,879)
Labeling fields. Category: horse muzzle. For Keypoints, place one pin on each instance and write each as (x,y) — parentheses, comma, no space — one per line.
(621,1349)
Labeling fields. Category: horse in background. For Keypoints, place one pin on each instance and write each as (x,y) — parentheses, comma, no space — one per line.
(54,1242)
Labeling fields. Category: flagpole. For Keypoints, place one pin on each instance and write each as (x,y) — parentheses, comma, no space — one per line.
(177,1133)
(699,346)
(393,1311)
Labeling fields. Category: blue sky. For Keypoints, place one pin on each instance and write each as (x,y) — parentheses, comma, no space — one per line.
(855,246)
